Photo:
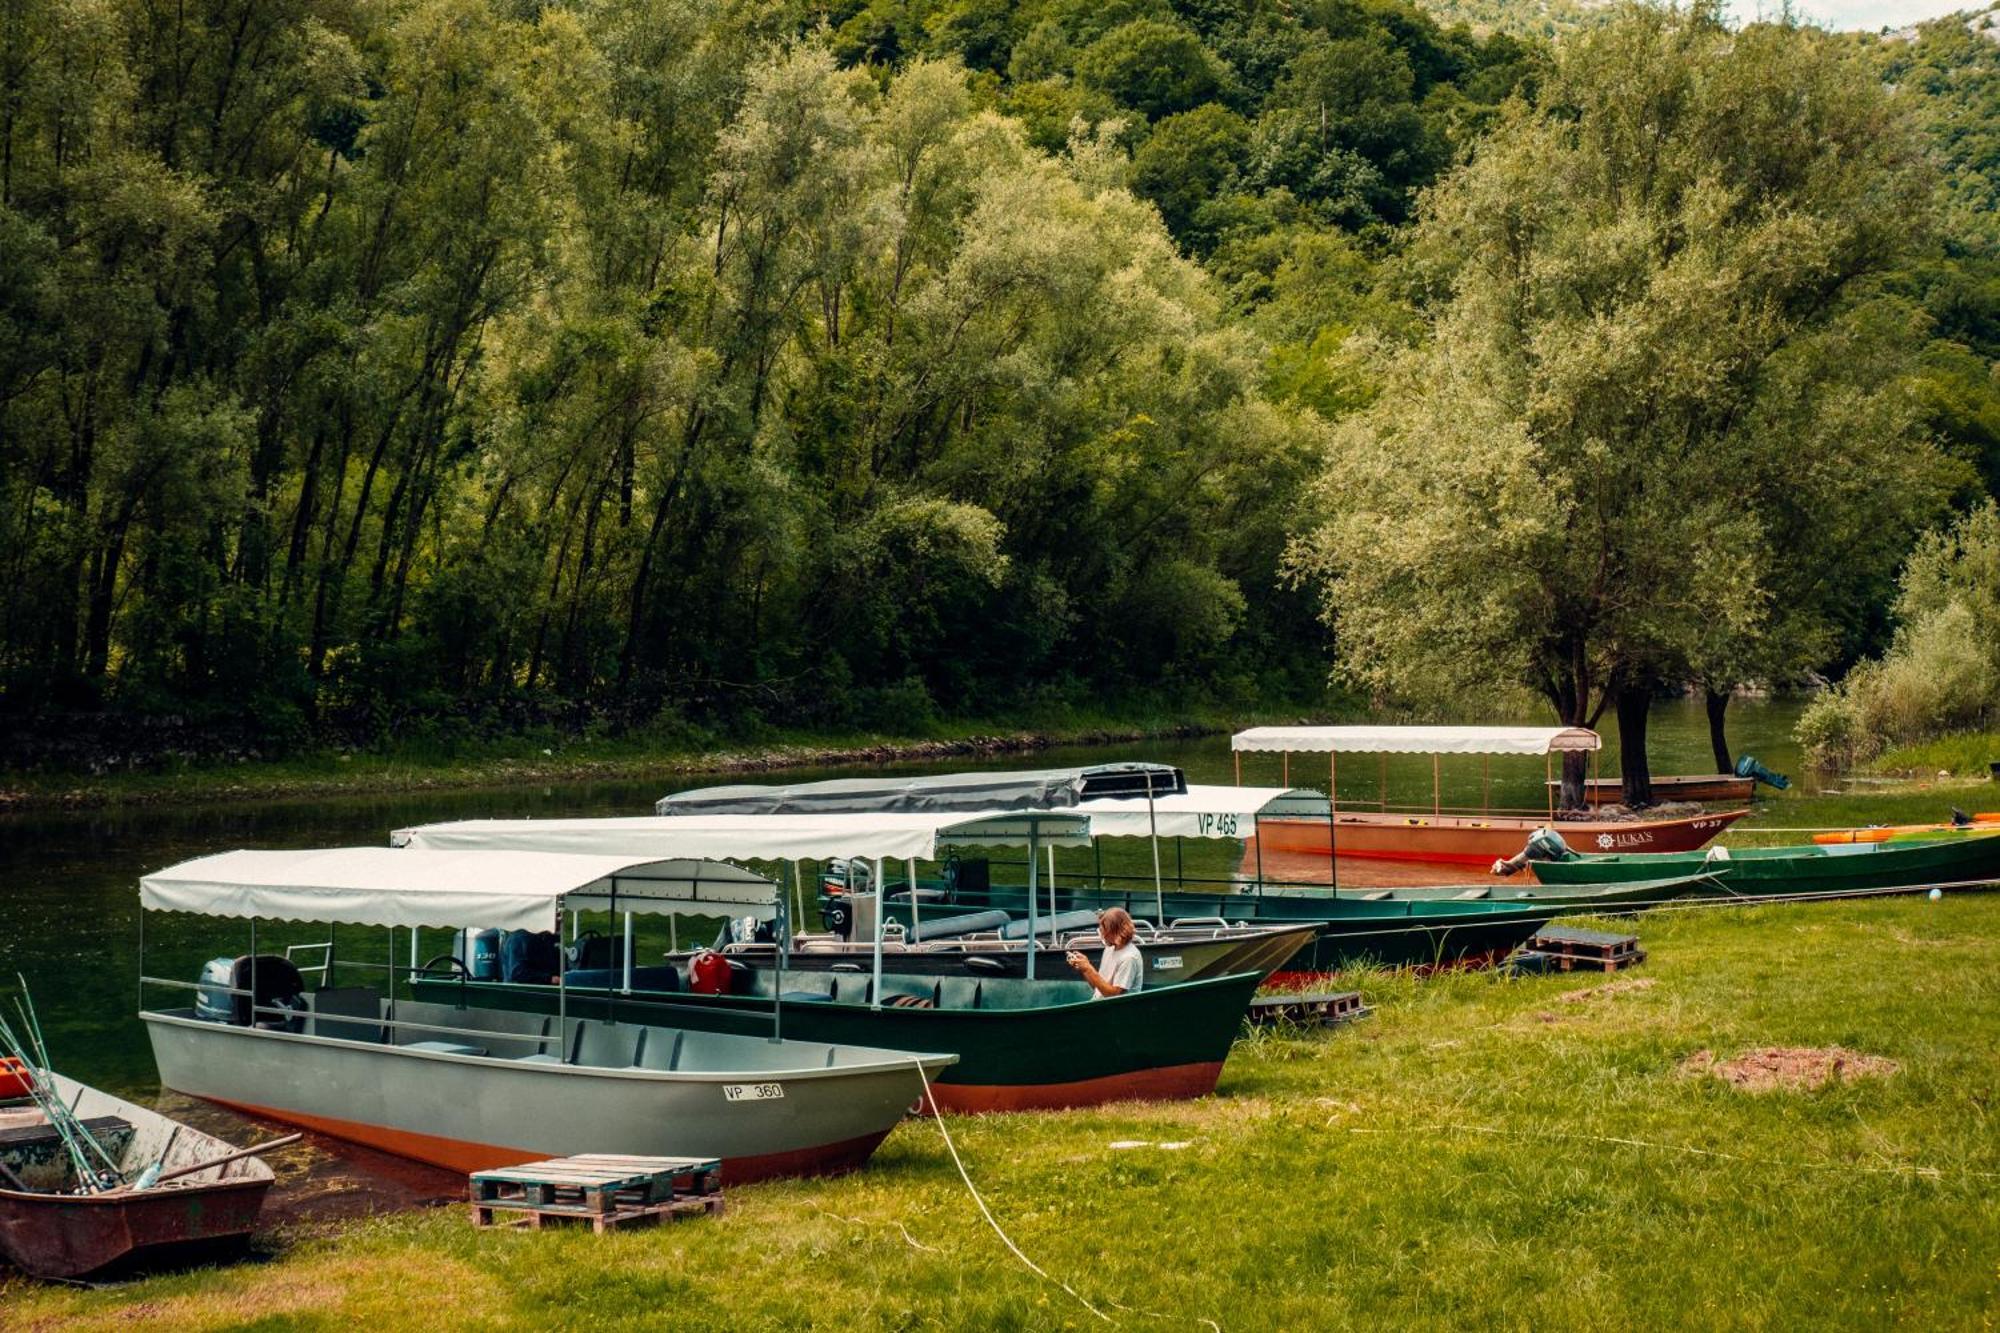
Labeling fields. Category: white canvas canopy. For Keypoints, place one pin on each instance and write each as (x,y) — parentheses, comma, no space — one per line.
(383,886)
(1416,740)
(888,835)
(1202,812)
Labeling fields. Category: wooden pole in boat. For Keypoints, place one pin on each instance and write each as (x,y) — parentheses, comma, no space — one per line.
(1237,755)
(237,1156)
(798,898)
(875,989)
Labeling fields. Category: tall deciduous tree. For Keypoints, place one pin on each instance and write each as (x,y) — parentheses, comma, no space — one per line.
(1552,490)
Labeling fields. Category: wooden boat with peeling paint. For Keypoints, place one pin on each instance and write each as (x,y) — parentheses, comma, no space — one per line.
(48,1230)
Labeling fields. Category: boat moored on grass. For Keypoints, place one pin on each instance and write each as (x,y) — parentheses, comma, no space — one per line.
(1798,871)
(470,1087)
(175,1195)
(1442,835)
(1023,1043)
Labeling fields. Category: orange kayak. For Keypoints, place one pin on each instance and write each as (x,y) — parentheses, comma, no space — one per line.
(1987,821)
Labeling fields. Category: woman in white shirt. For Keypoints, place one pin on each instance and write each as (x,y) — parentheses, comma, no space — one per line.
(1120,969)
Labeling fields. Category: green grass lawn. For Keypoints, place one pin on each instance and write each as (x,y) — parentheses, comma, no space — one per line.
(1482,1152)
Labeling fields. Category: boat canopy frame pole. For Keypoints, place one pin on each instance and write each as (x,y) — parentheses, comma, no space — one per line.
(875,987)
(1152,836)
(916,909)
(781,932)
(1034,845)
(798,898)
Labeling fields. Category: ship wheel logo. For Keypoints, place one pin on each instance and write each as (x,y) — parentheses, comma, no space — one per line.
(1606,841)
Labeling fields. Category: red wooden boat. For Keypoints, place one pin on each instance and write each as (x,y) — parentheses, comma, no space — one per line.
(1436,835)
(48,1232)
(1475,840)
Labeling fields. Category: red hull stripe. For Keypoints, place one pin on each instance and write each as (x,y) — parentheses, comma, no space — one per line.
(1174,1083)
(461,1156)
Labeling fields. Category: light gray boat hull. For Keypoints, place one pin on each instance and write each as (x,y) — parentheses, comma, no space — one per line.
(469,1112)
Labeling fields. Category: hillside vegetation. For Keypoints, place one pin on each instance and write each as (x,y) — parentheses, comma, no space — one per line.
(462,367)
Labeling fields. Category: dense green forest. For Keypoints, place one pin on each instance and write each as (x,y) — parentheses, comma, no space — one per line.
(441,367)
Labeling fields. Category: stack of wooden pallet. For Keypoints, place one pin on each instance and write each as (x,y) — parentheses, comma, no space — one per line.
(1309,1008)
(1571,949)
(604,1189)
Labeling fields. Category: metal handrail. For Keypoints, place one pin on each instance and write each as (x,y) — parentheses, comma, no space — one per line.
(543,1039)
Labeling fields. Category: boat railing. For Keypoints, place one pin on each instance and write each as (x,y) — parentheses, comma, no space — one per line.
(383,1020)
(325,964)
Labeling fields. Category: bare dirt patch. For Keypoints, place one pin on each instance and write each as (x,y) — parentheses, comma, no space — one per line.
(1606,991)
(1790,1068)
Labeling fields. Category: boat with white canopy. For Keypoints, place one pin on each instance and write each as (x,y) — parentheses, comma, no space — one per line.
(470,1087)
(1445,834)
(1347,930)
(1023,1042)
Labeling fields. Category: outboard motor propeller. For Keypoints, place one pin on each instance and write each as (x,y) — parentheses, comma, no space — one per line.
(1748,767)
(1544,844)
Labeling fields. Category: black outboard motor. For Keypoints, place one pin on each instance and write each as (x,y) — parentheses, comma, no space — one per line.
(278,997)
(1544,844)
(530,956)
(1748,767)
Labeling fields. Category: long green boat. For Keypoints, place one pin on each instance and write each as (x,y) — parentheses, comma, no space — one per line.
(1388,933)
(1022,1045)
(1809,869)
(1557,898)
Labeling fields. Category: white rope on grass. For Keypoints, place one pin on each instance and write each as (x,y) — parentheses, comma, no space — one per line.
(1892,1169)
(1033,1267)
(986,1212)
(915,1244)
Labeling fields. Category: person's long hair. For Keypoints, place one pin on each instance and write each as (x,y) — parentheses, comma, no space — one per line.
(1116,926)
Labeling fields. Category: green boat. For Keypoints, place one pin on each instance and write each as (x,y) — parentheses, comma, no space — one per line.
(1352,931)
(1022,1045)
(1810,869)
(1566,899)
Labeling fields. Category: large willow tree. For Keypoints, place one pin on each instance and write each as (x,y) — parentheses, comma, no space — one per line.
(1657,381)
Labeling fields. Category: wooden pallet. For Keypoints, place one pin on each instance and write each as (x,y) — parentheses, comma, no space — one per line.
(1309,1008)
(607,1190)
(1570,949)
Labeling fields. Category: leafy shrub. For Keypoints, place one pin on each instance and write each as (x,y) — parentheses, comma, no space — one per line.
(1942,672)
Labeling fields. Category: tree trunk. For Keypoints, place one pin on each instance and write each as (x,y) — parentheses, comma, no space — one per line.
(1718,741)
(1635,702)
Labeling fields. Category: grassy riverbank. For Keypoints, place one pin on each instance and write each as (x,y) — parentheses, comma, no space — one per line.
(547,758)
(1481,1151)
(1968,754)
